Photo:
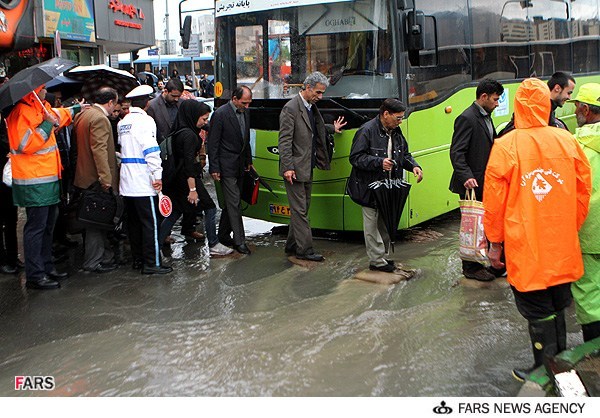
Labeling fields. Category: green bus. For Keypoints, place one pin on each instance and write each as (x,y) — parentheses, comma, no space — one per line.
(428,53)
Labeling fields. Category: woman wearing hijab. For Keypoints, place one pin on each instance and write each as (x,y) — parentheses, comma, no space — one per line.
(186,189)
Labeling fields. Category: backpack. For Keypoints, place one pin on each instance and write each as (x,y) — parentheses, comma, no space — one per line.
(169,163)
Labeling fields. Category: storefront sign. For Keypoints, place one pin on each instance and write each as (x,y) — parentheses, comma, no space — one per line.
(126,21)
(134,13)
(73,19)
(233,7)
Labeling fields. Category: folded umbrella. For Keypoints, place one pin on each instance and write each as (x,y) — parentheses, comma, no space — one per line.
(390,197)
(29,79)
(96,76)
(263,182)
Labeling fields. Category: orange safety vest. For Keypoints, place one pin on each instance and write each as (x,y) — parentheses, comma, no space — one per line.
(536,195)
(34,156)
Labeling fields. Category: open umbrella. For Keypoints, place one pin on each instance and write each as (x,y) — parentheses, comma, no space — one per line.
(96,76)
(29,79)
(390,196)
(67,86)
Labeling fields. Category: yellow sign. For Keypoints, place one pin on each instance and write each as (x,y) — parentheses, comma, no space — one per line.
(218,89)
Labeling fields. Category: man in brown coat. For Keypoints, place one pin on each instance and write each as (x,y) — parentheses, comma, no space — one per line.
(97,162)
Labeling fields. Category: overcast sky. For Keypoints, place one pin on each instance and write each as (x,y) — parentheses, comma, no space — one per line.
(159,15)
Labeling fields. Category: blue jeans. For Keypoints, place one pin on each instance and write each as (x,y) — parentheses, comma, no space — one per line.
(210,226)
(37,241)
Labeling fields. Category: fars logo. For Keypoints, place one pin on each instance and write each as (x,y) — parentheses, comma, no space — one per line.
(273,150)
(34,383)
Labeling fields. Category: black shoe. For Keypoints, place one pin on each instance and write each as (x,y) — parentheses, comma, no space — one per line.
(55,275)
(310,257)
(390,262)
(102,268)
(6,269)
(388,268)
(43,284)
(497,272)
(522,374)
(242,249)
(137,264)
(481,275)
(156,269)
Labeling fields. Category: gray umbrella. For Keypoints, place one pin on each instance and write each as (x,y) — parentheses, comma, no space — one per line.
(29,79)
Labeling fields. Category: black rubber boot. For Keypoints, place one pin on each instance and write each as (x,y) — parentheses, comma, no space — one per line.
(591,331)
(543,342)
(561,332)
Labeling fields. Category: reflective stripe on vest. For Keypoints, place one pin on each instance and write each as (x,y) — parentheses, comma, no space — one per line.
(39,180)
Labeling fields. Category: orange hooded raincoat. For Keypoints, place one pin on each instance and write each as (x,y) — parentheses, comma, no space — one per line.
(34,155)
(536,195)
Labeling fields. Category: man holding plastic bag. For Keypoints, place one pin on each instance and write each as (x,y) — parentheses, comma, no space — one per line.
(472,142)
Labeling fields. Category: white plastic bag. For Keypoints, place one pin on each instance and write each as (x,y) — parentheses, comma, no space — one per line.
(7,174)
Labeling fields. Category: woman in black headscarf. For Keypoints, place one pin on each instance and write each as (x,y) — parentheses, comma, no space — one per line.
(186,189)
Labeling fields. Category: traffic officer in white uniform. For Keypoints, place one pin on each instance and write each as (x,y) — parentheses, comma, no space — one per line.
(141,180)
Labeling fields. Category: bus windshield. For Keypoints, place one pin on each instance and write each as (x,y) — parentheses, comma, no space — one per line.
(272,51)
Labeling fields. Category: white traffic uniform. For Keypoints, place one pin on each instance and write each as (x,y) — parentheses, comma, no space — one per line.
(140,154)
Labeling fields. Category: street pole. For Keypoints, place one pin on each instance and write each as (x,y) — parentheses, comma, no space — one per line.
(167,26)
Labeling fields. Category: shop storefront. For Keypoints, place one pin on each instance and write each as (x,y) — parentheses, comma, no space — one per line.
(85,31)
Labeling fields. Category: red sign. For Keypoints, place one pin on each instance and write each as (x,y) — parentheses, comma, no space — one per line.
(165,206)
(127,9)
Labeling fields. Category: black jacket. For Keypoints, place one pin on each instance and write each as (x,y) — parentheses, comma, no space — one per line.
(369,149)
(228,150)
(470,150)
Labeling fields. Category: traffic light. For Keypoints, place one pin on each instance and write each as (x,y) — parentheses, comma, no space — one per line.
(186,32)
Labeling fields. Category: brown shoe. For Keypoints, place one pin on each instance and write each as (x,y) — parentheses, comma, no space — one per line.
(481,275)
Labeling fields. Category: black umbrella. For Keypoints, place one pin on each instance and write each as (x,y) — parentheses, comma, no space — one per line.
(29,79)
(390,196)
(96,76)
(67,86)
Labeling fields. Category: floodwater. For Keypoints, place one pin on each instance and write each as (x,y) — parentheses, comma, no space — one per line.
(260,326)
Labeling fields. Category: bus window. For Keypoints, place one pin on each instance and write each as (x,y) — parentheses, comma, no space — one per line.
(584,27)
(350,42)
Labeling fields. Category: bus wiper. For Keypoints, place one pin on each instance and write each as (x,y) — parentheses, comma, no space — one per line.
(353,112)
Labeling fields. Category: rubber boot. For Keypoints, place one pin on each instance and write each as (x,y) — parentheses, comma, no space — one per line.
(561,332)
(543,342)
(591,331)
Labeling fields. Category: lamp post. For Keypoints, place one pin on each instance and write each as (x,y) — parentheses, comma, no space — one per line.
(167,49)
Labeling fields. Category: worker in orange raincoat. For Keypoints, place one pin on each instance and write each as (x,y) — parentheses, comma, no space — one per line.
(536,197)
(35,161)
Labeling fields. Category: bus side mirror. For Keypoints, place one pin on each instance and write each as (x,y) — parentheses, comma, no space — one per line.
(415,35)
(186,32)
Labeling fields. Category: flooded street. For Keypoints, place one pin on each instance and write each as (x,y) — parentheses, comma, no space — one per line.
(260,326)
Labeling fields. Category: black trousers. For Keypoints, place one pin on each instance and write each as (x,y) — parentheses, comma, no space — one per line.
(143,223)
(540,304)
(8,228)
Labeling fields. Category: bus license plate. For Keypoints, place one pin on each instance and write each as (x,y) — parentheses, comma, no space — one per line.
(279,210)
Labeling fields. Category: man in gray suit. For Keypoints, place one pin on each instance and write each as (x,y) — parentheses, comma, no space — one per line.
(163,108)
(302,147)
(229,155)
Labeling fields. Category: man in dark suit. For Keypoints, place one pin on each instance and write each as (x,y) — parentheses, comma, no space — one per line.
(472,141)
(302,147)
(163,108)
(229,155)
